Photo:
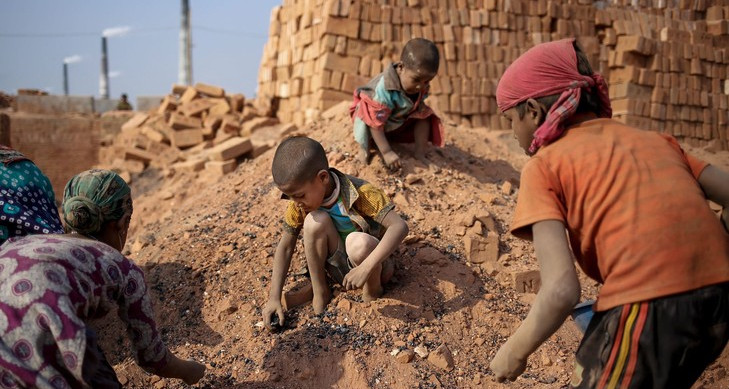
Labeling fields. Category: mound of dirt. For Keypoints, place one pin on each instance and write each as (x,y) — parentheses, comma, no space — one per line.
(207,243)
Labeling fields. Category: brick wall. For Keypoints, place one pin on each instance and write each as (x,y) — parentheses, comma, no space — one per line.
(666,61)
(61,146)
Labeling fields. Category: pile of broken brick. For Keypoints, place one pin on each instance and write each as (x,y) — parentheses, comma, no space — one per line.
(195,128)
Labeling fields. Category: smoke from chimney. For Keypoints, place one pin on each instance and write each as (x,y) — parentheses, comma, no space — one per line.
(115,31)
(72,59)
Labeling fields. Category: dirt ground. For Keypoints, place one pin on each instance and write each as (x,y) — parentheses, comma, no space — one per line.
(207,246)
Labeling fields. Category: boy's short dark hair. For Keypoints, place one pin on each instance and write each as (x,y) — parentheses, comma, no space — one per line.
(420,53)
(297,160)
(589,102)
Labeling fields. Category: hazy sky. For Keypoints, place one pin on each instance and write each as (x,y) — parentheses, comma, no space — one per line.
(36,36)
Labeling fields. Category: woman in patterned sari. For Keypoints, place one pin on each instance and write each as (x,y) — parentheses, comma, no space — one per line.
(50,284)
(27,203)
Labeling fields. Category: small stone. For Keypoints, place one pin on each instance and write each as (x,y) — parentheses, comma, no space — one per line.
(506,188)
(229,308)
(363,323)
(546,361)
(422,351)
(411,239)
(479,342)
(395,351)
(442,358)
(490,198)
(412,178)
(344,305)
(405,356)
(400,343)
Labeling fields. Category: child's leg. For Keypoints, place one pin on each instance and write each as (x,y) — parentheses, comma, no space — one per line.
(320,240)
(359,246)
(421,134)
(362,136)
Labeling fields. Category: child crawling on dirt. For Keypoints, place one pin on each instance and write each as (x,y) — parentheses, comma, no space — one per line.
(350,226)
(634,207)
(391,107)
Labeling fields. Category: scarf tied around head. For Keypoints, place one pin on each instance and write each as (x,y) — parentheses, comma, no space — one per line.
(550,69)
(94,197)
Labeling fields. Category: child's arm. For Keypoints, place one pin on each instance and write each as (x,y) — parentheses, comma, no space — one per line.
(715,184)
(281,263)
(559,293)
(396,231)
(392,160)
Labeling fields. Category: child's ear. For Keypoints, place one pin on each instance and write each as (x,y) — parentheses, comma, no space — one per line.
(536,111)
(323,175)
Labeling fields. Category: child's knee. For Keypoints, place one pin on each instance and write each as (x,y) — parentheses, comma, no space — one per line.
(316,221)
(359,245)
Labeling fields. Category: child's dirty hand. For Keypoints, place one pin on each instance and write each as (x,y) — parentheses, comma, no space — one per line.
(507,366)
(273,308)
(392,160)
(356,278)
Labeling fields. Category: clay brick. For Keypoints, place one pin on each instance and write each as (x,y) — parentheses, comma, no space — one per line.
(298,295)
(195,108)
(479,249)
(153,134)
(169,104)
(221,168)
(635,43)
(209,90)
(187,137)
(230,149)
(189,95)
(212,122)
(250,126)
(179,122)
(192,165)
(136,154)
(135,122)
(626,74)
(527,281)
(626,89)
(332,61)
(229,126)
(260,147)
(341,26)
(178,89)
(237,101)
(220,106)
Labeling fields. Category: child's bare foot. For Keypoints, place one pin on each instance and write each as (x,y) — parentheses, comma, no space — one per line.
(319,303)
(420,156)
(363,156)
(392,160)
(368,295)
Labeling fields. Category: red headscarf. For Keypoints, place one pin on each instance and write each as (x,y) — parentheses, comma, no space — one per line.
(549,69)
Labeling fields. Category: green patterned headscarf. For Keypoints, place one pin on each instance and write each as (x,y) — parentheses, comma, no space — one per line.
(94,197)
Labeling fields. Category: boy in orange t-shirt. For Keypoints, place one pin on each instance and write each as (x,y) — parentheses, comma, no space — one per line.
(634,207)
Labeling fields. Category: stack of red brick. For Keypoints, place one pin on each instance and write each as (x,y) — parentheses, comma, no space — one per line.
(194,128)
(666,60)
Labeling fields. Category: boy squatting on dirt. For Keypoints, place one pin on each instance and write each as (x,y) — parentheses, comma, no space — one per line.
(350,226)
(634,207)
(391,107)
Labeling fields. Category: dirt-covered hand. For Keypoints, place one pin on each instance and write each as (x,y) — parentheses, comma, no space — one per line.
(392,160)
(356,278)
(272,307)
(506,366)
